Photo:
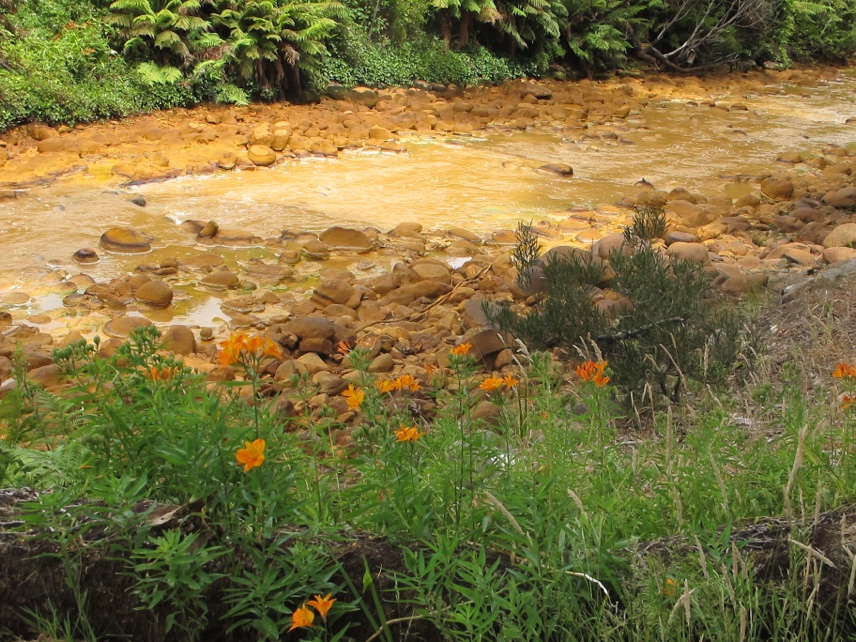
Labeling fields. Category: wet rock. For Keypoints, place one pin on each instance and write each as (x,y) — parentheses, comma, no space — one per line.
(560,169)
(842,236)
(221,279)
(748,200)
(125,240)
(139,201)
(316,250)
(227,161)
(363,96)
(155,293)
(121,327)
(261,136)
(466,235)
(319,346)
(281,135)
(310,327)
(680,237)
(269,274)
(343,238)
(261,155)
(179,339)
(86,255)
(843,198)
(211,228)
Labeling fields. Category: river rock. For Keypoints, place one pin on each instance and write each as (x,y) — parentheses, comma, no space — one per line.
(382,363)
(125,240)
(484,342)
(838,254)
(261,155)
(262,136)
(179,339)
(316,250)
(411,230)
(269,274)
(281,135)
(695,252)
(211,228)
(121,327)
(842,236)
(333,291)
(610,243)
(363,96)
(343,238)
(312,363)
(779,189)
(310,327)
(221,279)
(86,255)
(429,270)
(844,198)
(155,293)
(407,294)
(559,169)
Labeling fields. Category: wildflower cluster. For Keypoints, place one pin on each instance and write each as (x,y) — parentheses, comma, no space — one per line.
(304,616)
(402,382)
(241,348)
(495,383)
(847,373)
(162,374)
(593,371)
(354,397)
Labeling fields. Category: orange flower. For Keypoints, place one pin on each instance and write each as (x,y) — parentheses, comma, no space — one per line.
(844,370)
(301,617)
(670,586)
(406,433)
(386,385)
(343,348)
(591,371)
(252,455)
(231,352)
(847,401)
(491,383)
(510,381)
(430,369)
(407,381)
(354,396)
(322,604)
(461,350)
(161,374)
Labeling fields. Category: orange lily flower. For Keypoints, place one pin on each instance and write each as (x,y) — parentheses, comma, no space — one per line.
(591,371)
(406,433)
(252,455)
(322,604)
(231,352)
(407,381)
(844,370)
(301,617)
(343,348)
(510,381)
(355,397)
(847,401)
(491,383)
(385,385)
(461,350)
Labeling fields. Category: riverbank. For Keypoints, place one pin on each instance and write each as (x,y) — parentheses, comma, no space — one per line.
(405,278)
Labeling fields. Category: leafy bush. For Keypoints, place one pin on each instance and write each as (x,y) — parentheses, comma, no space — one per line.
(667,330)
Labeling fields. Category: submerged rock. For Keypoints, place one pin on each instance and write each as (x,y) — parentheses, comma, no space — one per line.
(125,240)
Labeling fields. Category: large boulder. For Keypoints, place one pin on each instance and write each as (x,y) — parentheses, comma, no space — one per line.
(261,155)
(155,293)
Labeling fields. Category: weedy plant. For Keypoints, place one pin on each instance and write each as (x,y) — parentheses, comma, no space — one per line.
(666,330)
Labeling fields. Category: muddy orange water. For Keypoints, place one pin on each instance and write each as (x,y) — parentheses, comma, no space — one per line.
(484,182)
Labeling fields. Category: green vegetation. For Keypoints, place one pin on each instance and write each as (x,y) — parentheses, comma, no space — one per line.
(65,61)
(517,505)
(666,328)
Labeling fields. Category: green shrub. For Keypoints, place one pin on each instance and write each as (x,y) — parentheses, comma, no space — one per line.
(673,330)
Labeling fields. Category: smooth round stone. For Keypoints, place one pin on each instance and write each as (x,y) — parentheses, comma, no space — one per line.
(86,255)
(39,319)
(125,240)
(261,155)
(221,279)
(156,293)
(121,327)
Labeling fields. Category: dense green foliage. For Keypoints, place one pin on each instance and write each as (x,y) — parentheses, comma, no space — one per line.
(64,60)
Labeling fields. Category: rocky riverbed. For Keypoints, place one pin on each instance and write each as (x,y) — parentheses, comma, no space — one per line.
(405,290)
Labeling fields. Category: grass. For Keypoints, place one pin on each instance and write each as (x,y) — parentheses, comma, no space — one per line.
(524,508)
